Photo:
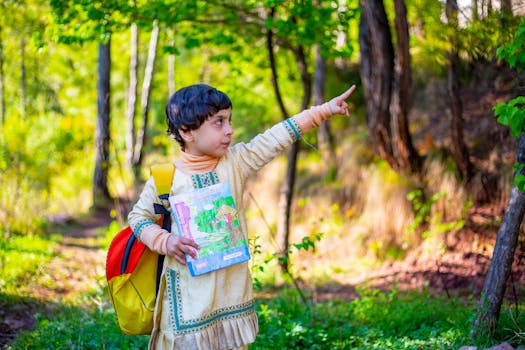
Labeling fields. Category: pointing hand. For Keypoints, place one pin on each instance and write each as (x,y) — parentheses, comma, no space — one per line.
(338,105)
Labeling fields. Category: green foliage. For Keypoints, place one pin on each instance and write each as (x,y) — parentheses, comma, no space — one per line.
(40,157)
(482,38)
(376,320)
(512,113)
(22,258)
(431,222)
(74,327)
(513,52)
(87,323)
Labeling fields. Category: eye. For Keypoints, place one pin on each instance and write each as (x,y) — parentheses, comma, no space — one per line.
(219,122)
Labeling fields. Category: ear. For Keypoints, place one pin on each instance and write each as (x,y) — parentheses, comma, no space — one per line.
(187,135)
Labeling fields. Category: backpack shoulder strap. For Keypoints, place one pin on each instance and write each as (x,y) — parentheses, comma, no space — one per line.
(163,176)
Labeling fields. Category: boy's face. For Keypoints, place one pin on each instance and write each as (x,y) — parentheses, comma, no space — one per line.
(212,138)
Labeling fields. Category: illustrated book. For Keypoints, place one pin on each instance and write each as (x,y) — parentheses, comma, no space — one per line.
(209,216)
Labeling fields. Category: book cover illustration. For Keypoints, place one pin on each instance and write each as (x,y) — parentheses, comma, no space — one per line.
(208,215)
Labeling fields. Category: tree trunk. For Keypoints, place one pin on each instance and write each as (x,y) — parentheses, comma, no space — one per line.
(171,70)
(475,13)
(406,155)
(376,69)
(132,93)
(459,148)
(23,84)
(144,103)
(101,196)
(287,189)
(324,135)
(493,292)
(2,79)
(283,220)
(506,7)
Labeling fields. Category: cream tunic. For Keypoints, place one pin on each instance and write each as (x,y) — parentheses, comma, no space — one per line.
(214,310)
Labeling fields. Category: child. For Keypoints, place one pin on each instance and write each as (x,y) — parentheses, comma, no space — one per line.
(214,310)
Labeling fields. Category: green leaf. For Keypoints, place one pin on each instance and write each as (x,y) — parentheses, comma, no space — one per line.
(519,181)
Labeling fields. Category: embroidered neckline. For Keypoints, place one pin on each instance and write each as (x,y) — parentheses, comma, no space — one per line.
(204,180)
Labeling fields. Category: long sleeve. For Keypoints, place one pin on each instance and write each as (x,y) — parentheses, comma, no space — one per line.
(313,117)
(264,147)
(143,220)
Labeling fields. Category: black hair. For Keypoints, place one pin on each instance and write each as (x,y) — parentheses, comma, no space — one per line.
(189,107)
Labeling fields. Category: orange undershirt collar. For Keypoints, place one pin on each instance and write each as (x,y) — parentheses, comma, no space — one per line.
(197,164)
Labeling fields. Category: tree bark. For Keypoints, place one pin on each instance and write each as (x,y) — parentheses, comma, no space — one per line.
(171,70)
(376,69)
(145,98)
(101,196)
(324,135)
(500,268)
(132,93)
(287,189)
(459,148)
(506,7)
(285,198)
(2,79)
(406,155)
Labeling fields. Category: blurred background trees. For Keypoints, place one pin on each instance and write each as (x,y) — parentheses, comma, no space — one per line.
(83,87)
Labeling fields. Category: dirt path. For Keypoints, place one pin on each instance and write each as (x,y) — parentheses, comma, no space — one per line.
(77,267)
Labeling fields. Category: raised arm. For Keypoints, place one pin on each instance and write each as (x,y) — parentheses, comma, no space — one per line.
(264,147)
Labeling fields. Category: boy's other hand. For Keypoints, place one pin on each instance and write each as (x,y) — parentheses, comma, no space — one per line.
(338,105)
(178,247)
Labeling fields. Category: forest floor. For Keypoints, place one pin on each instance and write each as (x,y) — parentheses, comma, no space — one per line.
(79,263)
(460,270)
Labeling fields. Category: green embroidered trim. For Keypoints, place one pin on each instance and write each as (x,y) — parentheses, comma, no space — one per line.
(293,129)
(182,326)
(204,180)
(141,225)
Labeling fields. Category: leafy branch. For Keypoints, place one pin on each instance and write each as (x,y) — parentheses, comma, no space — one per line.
(512,113)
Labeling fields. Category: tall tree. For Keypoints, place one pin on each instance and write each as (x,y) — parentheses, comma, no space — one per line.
(506,7)
(509,114)
(285,199)
(101,196)
(500,268)
(459,148)
(324,134)
(404,151)
(145,97)
(132,92)
(376,70)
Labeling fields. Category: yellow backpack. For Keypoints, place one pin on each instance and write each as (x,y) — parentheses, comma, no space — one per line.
(133,271)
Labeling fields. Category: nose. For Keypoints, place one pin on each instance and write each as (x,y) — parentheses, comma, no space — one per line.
(228,130)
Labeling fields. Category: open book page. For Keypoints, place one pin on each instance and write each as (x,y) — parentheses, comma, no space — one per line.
(208,215)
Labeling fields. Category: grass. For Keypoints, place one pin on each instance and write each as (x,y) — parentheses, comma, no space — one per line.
(375,320)
(22,258)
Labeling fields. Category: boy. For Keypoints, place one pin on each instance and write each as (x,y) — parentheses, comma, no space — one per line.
(215,310)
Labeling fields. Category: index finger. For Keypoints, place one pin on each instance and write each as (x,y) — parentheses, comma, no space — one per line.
(347,93)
